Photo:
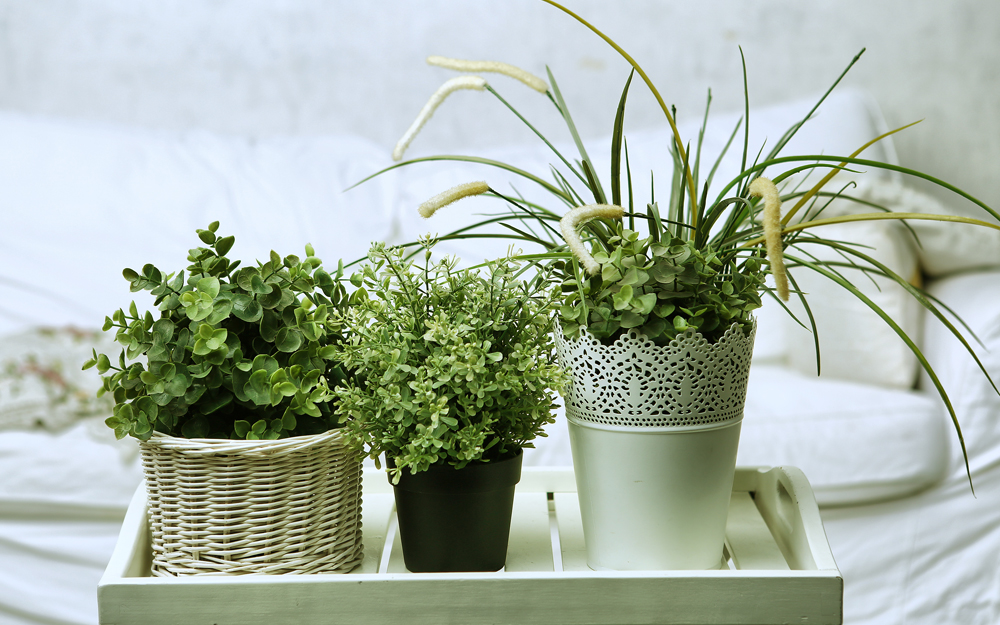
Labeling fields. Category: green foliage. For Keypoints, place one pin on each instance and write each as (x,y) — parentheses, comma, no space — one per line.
(661,288)
(454,366)
(242,353)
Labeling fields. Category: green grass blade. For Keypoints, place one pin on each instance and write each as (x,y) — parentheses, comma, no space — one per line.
(470,159)
(746,121)
(596,188)
(538,134)
(718,161)
(864,163)
(812,320)
(785,138)
(616,145)
(628,175)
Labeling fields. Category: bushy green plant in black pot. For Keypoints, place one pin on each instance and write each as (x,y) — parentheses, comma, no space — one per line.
(228,388)
(456,373)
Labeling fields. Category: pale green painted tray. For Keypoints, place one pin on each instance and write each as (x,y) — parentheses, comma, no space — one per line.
(779,569)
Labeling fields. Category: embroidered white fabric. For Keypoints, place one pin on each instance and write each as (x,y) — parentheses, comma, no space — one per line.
(635,383)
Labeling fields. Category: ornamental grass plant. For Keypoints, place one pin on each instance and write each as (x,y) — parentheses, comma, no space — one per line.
(680,258)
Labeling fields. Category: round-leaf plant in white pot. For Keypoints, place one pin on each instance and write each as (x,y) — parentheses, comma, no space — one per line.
(656,315)
(456,375)
(228,390)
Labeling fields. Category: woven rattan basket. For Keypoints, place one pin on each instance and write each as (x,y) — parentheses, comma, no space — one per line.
(288,506)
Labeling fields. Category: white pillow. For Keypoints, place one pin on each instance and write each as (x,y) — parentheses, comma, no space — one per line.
(975,297)
(84,200)
(857,443)
(945,248)
(855,343)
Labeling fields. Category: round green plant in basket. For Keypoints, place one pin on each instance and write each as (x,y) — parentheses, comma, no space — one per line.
(228,388)
(456,374)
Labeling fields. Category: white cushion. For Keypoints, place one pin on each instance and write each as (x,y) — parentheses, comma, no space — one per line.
(855,343)
(945,248)
(855,442)
(975,297)
(84,200)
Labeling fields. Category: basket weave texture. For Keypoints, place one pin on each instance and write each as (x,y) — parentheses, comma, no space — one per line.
(288,506)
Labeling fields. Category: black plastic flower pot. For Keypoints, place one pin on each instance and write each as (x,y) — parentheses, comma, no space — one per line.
(454,520)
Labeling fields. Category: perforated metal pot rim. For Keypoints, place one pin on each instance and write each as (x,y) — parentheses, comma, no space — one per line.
(635,384)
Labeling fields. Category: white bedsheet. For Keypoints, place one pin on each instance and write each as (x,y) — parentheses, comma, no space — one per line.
(928,559)
(62,500)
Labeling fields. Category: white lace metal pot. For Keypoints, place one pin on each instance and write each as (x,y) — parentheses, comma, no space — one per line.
(654,432)
(287,506)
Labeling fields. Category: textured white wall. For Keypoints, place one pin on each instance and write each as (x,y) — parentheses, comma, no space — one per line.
(307,66)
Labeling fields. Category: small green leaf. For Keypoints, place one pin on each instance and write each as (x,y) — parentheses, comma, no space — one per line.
(310,330)
(631,320)
(288,340)
(209,286)
(272,298)
(223,245)
(163,329)
(257,389)
(288,421)
(220,311)
(623,298)
(246,308)
(258,286)
(270,323)
(219,400)
(196,427)
(645,303)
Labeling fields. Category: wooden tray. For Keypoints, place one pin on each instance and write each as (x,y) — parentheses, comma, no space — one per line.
(778,569)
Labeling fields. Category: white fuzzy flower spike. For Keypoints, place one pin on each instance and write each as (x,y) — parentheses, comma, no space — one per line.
(461,82)
(453,194)
(572,220)
(506,69)
(764,188)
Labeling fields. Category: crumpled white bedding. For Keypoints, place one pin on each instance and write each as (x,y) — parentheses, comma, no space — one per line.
(62,500)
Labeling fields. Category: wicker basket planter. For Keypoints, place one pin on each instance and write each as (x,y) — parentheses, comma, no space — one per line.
(287,506)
